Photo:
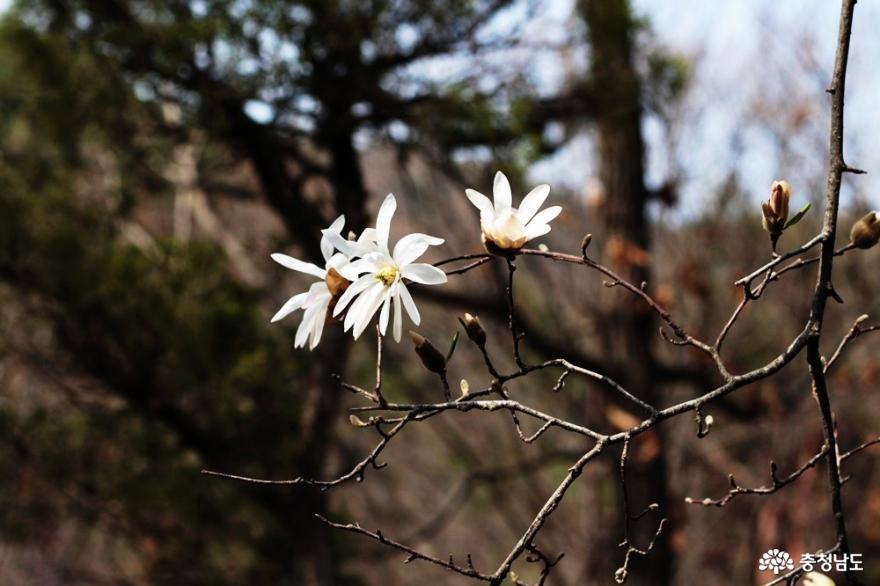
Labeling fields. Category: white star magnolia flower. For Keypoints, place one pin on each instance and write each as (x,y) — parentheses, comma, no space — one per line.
(378,277)
(507,227)
(316,300)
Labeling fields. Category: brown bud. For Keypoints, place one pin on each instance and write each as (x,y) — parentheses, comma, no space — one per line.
(430,356)
(336,283)
(474,329)
(775,209)
(866,232)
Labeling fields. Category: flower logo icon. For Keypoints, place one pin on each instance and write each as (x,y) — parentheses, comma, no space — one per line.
(776,560)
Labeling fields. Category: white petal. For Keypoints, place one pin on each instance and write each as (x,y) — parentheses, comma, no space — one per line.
(327,246)
(383,221)
(482,203)
(318,326)
(501,192)
(290,306)
(386,309)
(534,230)
(308,324)
(423,273)
(398,316)
(358,309)
(371,263)
(351,292)
(346,247)
(543,217)
(318,292)
(352,314)
(532,202)
(373,299)
(302,334)
(298,265)
(412,246)
(338,261)
(409,305)
(367,239)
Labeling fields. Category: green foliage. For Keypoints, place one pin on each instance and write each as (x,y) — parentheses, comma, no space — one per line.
(182,369)
(190,353)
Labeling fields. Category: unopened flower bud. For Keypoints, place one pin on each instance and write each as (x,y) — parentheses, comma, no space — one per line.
(430,356)
(465,387)
(775,209)
(866,232)
(474,329)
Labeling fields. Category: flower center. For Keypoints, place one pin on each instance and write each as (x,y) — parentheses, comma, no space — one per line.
(387,275)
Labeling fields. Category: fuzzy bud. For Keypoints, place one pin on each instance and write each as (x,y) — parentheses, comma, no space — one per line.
(775,209)
(866,232)
(429,355)
(465,387)
(474,329)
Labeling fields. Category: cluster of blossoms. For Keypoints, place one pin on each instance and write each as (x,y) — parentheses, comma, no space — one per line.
(364,275)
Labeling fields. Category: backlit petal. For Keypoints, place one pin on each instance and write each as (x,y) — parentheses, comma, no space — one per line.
(532,202)
(383,221)
(482,203)
(298,265)
(544,216)
(424,273)
(501,192)
(351,292)
(290,306)
(409,304)
(372,301)
(412,246)
(398,317)
(326,245)
(386,311)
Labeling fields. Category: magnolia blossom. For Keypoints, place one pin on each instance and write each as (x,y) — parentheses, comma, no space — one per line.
(317,299)
(378,277)
(509,228)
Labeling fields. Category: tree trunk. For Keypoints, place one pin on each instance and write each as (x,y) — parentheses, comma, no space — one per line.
(621,153)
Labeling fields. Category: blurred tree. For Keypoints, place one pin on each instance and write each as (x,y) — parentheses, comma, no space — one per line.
(621,153)
(98,88)
(164,328)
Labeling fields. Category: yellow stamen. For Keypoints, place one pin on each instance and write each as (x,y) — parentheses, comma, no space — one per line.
(387,275)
